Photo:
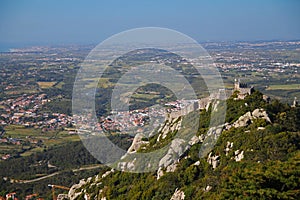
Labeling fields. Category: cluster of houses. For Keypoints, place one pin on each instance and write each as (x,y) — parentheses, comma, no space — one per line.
(25,110)
(124,121)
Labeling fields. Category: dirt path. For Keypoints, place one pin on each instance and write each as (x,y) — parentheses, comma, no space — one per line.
(36,179)
(54,174)
(87,168)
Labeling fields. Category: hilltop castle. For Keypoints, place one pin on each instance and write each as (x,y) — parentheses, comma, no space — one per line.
(242,88)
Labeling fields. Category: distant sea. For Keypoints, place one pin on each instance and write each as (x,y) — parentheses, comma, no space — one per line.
(6,47)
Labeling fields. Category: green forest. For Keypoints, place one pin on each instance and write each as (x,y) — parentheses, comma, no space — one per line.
(65,160)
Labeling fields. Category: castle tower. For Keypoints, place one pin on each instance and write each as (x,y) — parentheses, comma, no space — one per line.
(236,84)
(242,88)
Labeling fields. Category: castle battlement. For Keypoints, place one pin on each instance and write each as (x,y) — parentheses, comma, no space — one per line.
(242,88)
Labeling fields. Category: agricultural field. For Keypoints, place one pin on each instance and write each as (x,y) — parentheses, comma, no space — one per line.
(45,84)
(59,85)
(33,140)
(284,87)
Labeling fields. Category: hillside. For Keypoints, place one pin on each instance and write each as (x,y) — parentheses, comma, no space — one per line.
(32,174)
(256,156)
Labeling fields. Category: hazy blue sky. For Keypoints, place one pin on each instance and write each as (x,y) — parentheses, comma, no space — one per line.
(70,21)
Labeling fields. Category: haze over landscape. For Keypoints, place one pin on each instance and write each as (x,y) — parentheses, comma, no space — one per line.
(55,22)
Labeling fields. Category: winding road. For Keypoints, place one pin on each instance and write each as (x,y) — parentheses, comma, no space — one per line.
(54,174)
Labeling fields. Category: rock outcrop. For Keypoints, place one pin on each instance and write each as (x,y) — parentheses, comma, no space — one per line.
(229,146)
(261,113)
(170,160)
(170,126)
(72,192)
(194,140)
(201,138)
(136,143)
(159,173)
(216,131)
(238,155)
(106,173)
(213,160)
(130,165)
(243,120)
(207,188)
(178,195)
(248,118)
(62,197)
(176,150)
(172,167)
(197,163)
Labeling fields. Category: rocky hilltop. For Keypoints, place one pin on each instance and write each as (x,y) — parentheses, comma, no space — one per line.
(256,155)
